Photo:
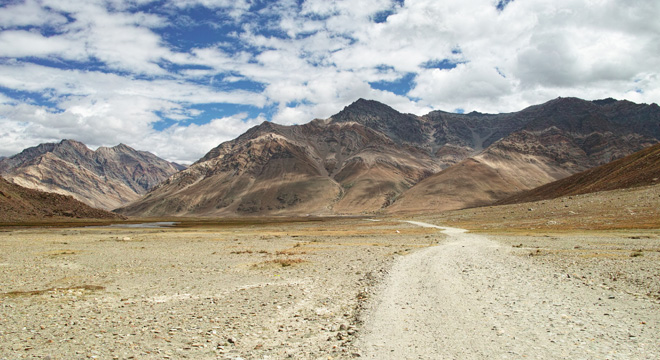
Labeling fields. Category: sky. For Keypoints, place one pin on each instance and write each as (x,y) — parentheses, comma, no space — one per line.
(179,77)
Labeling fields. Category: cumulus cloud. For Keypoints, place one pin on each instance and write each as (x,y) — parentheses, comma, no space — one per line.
(184,144)
(28,13)
(26,43)
(118,69)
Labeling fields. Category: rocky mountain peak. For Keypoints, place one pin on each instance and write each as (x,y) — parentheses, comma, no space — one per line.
(72,149)
(72,143)
(402,128)
(123,148)
(126,152)
(369,157)
(364,111)
(265,127)
(105,178)
(604,101)
(254,132)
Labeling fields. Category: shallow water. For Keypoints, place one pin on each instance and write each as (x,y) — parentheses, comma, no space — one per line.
(149,225)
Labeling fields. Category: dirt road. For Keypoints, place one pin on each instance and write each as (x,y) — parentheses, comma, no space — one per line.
(472,298)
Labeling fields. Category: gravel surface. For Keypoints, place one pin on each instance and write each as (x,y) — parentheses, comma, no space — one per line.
(473,298)
(333,289)
(227,292)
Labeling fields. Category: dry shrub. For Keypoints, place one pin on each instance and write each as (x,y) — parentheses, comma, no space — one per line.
(53,289)
(281,262)
(242,252)
(290,252)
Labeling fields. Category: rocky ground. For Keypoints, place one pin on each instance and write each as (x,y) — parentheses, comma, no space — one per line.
(269,291)
(626,261)
(569,278)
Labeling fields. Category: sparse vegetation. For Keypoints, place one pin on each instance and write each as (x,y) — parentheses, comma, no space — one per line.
(281,262)
(57,253)
(239,252)
(290,252)
(54,289)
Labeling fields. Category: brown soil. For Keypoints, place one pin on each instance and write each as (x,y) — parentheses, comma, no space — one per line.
(277,288)
(18,204)
(636,208)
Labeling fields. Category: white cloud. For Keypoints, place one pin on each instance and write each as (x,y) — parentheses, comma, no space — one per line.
(310,60)
(25,43)
(186,144)
(27,13)
(121,40)
(63,85)
(544,48)
(104,109)
(462,86)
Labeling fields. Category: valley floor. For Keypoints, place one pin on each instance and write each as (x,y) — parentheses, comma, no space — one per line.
(268,291)
(337,288)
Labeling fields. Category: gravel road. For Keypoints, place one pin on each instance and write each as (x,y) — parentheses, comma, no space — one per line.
(471,297)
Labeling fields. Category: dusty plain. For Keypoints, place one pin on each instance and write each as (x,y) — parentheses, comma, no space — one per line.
(252,291)
(298,288)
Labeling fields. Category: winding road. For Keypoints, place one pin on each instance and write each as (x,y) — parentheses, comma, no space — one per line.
(471,298)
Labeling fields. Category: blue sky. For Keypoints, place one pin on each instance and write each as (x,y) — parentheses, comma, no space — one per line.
(178,77)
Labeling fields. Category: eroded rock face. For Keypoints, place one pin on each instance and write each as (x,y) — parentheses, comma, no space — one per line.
(106,178)
(369,157)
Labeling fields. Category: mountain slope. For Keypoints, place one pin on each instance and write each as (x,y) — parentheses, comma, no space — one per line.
(321,167)
(565,136)
(22,204)
(105,178)
(369,157)
(639,169)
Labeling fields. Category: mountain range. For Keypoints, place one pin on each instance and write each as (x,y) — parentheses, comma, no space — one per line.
(106,178)
(371,158)
(368,158)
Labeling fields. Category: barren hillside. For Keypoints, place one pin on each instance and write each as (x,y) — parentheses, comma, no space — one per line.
(370,158)
(21,204)
(105,178)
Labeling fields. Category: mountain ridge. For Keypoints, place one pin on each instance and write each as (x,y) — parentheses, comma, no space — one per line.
(105,178)
(371,158)
(563,137)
